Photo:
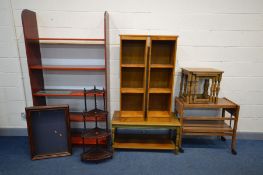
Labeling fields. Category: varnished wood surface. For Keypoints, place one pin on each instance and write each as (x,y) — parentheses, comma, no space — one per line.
(155,142)
(73,41)
(132,90)
(162,66)
(222,103)
(158,121)
(133,65)
(147,61)
(160,90)
(156,37)
(68,67)
(59,92)
(132,114)
(200,70)
(78,117)
(206,118)
(159,113)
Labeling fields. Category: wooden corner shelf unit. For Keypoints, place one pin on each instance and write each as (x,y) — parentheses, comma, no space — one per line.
(36,69)
(147,68)
(224,125)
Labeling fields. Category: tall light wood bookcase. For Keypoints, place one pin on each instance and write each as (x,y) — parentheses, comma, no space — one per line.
(147,66)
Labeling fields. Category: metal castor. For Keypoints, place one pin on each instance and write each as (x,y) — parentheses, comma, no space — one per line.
(181,150)
(176,152)
(223,138)
(234,152)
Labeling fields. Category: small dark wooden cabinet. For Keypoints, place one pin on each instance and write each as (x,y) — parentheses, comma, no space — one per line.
(48,131)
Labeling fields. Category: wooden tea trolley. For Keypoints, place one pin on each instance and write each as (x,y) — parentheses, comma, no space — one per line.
(147,66)
(224,125)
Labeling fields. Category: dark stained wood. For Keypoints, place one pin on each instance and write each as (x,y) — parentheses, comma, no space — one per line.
(78,117)
(33,41)
(68,68)
(34,154)
(63,93)
(33,54)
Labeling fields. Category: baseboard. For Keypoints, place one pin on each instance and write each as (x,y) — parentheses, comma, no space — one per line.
(23,132)
(13,131)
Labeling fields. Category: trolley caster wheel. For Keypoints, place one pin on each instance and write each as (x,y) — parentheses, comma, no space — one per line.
(181,150)
(234,152)
(223,138)
(176,152)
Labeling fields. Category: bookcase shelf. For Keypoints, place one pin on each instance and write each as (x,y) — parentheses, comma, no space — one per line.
(132,101)
(159,102)
(133,65)
(133,51)
(163,51)
(132,90)
(162,66)
(161,78)
(68,68)
(62,92)
(45,69)
(132,77)
(147,68)
(160,90)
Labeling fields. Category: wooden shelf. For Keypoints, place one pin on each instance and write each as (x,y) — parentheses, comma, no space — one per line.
(207,118)
(132,77)
(222,103)
(76,139)
(157,122)
(159,114)
(132,90)
(133,65)
(162,66)
(154,142)
(132,102)
(160,90)
(77,117)
(133,51)
(78,41)
(64,92)
(132,114)
(68,68)
(163,51)
(161,78)
(96,155)
(206,127)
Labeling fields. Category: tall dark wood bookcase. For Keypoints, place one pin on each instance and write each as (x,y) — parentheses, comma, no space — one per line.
(39,94)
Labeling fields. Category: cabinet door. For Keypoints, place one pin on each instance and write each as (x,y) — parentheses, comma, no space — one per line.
(161,68)
(133,59)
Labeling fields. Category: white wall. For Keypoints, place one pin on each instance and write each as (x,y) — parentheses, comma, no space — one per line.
(224,34)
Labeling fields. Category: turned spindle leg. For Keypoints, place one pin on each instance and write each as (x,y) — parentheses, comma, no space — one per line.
(181,85)
(189,84)
(218,87)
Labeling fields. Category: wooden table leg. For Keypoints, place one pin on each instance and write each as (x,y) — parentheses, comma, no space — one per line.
(178,137)
(233,144)
(113,137)
(223,116)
